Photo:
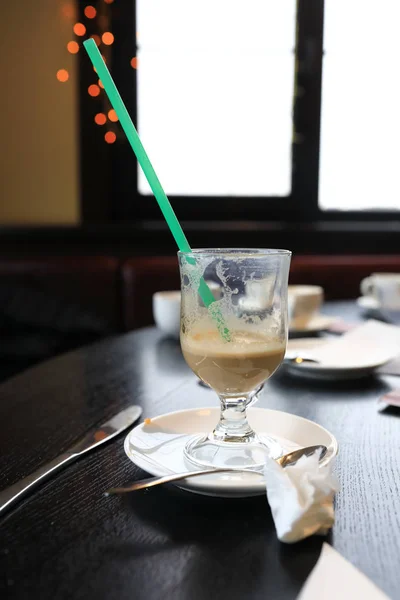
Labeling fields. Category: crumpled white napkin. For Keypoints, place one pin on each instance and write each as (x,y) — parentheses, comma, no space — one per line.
(301,497)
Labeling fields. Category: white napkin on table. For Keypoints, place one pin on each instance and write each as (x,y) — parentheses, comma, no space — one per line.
(334,578)
(300,497)
(372,343)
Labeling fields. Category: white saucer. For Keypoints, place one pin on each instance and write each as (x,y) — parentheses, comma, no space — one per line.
(302,346)
(158,447)
(316,324)
(372,308)
(368,305)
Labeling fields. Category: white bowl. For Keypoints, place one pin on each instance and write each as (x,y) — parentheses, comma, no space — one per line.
(167,312)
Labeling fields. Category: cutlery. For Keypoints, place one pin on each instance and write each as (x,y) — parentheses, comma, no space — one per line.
(299,359)
(287,459)
(92,439)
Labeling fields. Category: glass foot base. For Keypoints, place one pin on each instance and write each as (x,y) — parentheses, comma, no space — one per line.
(203,451)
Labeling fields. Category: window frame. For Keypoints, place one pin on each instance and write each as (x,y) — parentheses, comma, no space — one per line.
(109,182)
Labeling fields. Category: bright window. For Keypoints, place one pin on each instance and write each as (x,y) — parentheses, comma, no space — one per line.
(215,95)
(360,122)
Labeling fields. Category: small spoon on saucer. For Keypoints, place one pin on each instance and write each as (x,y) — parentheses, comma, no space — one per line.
(287,459)
(298,360)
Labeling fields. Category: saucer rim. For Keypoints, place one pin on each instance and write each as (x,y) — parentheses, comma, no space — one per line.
(320,371)
(327,321)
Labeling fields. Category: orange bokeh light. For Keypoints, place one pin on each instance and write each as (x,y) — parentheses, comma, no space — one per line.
(110,137)
(112,115)
(79,29)
(108,1)
(93,90)
(100,119)
(134,63)
(62,75)
(99,83)
(90,12)
(73,47)
(107,38)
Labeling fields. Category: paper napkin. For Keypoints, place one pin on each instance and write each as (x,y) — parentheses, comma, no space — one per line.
(334,578)
(300,497)
(372,343)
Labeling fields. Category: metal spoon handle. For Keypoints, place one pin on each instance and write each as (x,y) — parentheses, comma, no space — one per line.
(152,481)
(285,460)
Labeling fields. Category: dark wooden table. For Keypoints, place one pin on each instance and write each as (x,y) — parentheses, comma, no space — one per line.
(69,541)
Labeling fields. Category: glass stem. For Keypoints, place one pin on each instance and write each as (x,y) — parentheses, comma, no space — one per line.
(233,425)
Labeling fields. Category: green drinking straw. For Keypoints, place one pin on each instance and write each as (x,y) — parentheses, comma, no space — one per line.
(151,176)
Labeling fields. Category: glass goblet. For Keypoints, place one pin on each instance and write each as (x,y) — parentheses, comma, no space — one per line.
(234,344)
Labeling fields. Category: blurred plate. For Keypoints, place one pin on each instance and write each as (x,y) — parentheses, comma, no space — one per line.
(316,324)
(304,347)
(371,307)
(368,305)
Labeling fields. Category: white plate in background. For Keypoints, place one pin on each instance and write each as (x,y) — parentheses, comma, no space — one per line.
(368,304)
(316,324)
(304,346)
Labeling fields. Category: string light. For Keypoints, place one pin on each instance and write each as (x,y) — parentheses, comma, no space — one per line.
(93,90)
(134,63)
(100,119)
(107,38)
(79,29)
(62,75)
(73,47)
(110,137)
(90,12)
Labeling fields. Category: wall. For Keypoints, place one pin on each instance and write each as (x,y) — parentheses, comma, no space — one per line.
(38,114)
